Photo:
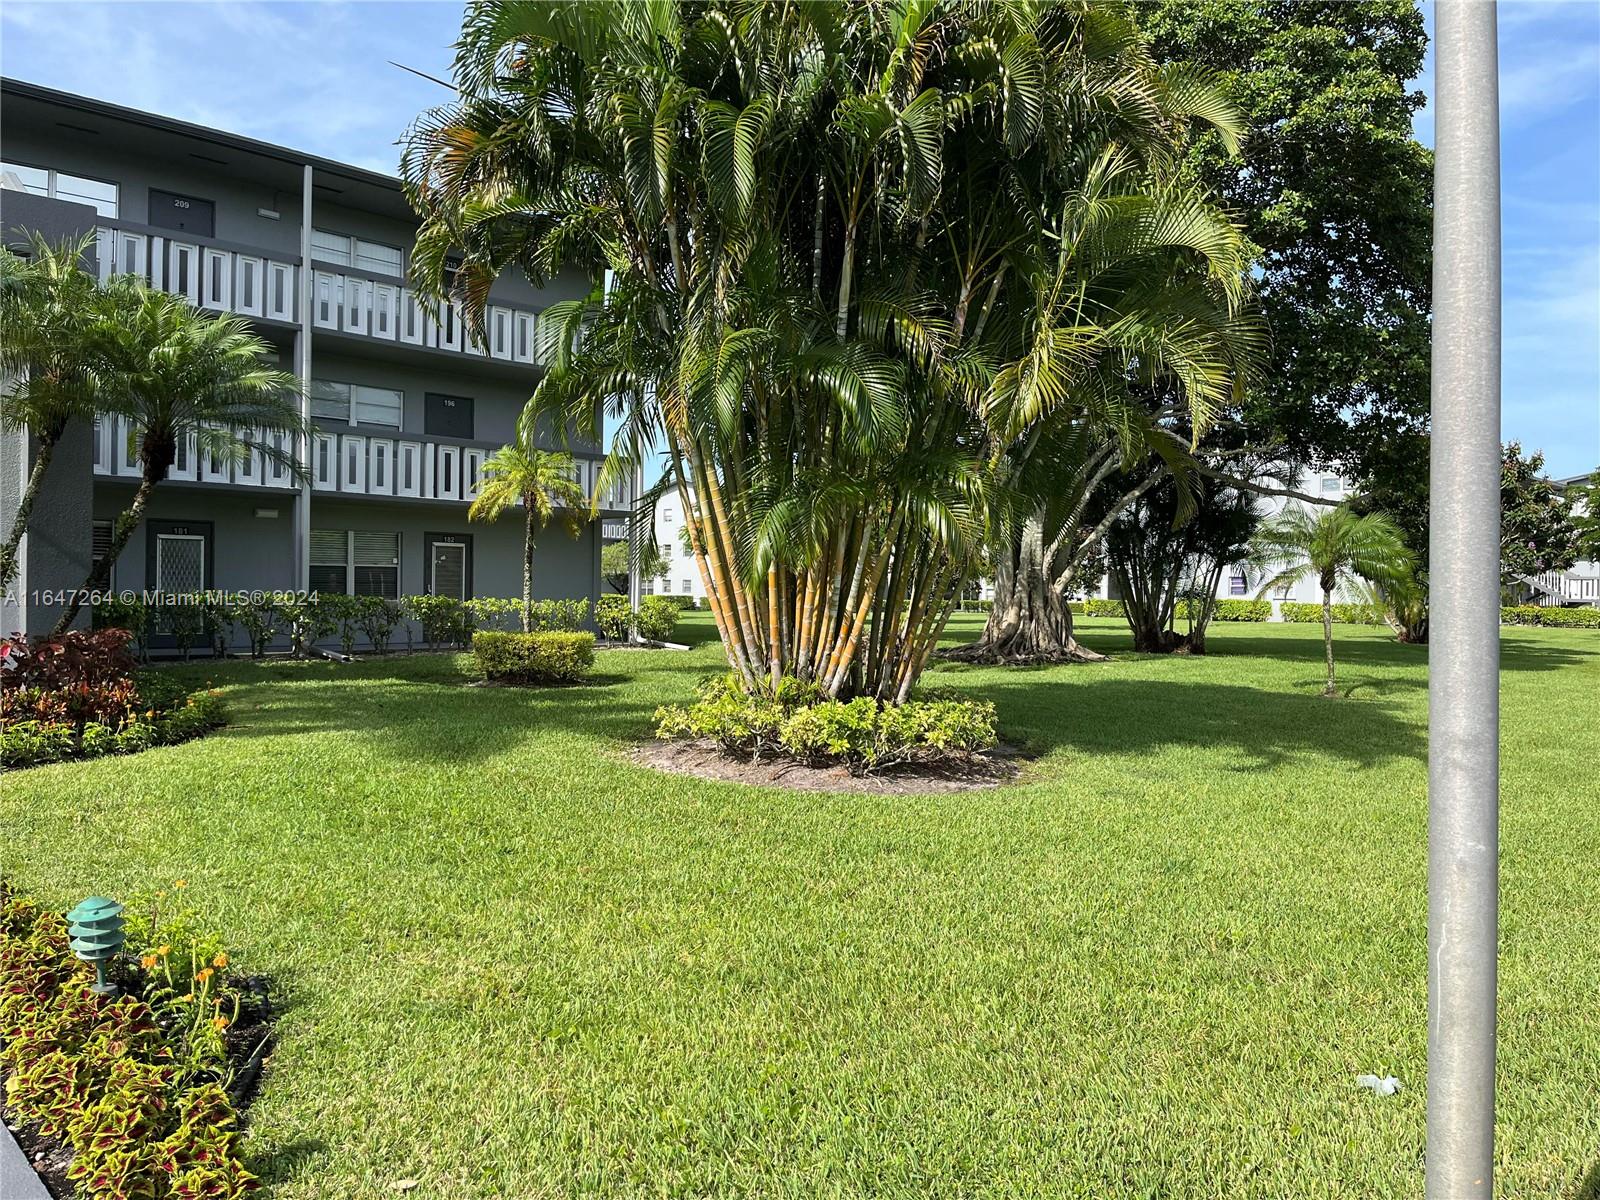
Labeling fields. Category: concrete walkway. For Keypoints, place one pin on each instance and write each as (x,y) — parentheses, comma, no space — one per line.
(17,1180)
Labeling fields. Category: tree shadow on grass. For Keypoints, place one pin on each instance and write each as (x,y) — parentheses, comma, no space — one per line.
(1145,717)
(1367,649)
(1589,1185)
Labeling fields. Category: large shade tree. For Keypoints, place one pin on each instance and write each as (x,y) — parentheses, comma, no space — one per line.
(47,307)
(180,375)
(1335,194)
(857,254)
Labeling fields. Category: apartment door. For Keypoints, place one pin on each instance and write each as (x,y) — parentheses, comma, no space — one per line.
(447,416)
(190,214)
(179,556)
(450,565)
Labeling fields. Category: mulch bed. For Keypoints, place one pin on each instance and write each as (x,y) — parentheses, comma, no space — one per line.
(705,759)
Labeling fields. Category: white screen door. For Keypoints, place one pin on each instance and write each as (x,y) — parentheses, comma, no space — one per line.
(449,569)
(180,563)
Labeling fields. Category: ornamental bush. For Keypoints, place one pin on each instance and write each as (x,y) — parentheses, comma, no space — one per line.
(137,1084)
(550,656)
(1551,618)
(658,618)
(863,734)
(614,617)
(1229,610)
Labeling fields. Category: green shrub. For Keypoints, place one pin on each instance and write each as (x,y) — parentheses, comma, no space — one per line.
(658,618)
(550,656)
(136,1085)
(1228,610)
(445,621)
(378,619)
(565,615)
(1343,614)
(861,733)
(977,606)
(614,617)
(1101,608)
(169,715)
(260,621)
(132,615)
(308,619)
(1551,618)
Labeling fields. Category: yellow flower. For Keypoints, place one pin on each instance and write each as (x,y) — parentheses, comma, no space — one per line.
(188,996)
(221,960)
(180,884)
(205,974)
(163,951)
(148,961)
(219,1022)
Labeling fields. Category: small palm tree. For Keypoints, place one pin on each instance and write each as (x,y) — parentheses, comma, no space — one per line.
(1335,547)
(175,372)
(46,307)
(543,482)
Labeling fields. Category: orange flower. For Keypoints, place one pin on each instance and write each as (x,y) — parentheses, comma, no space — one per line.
(219,1023)
(205,974)
(163,951)
(221,960)
(148,961)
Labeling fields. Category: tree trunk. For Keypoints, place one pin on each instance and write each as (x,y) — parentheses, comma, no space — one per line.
(8,553)
(528,530)
(1030,621)
(100,574)
(1327,639)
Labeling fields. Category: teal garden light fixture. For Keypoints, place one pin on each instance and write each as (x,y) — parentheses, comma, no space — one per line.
(94,930)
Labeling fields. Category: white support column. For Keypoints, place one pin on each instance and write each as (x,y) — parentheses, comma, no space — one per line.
(302,510)
(1464,656)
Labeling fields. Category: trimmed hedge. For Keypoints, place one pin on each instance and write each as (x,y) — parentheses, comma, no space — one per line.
(1343,614)
(1551,618)
(553,656)
(1229,610)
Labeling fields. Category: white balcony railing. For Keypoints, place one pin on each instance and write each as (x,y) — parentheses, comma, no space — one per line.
(349,463)
(1554,588)
(256,285)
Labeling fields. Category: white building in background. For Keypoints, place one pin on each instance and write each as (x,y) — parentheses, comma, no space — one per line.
(682,576)
(1579,584)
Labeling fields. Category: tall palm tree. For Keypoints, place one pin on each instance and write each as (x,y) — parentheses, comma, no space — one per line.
(544,483)
(46,309)
(1336,547)
(826,227)
(175,373)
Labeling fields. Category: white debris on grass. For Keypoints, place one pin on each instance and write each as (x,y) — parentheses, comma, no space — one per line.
(1388,1085)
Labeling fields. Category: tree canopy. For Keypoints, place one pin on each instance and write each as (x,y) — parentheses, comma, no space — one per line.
(862,261)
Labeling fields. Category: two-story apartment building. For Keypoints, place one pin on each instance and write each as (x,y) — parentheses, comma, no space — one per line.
(315,254)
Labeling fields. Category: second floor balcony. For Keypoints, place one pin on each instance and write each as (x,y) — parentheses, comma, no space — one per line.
(346,464)
(253,283)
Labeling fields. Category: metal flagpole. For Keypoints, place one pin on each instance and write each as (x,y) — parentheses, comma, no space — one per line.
(1464,652)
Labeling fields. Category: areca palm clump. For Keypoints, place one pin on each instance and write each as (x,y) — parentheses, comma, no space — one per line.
(1336,547)
(178,373)
(47,302)
(865,263)
(544,482)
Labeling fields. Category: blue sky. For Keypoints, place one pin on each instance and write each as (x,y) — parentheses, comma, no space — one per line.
(316,76)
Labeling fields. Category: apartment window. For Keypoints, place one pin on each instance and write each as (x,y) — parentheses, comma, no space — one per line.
(102,550)
(666,551)
(666,587)
(356,404)
(688,586)
(60,185)
(356,252)
(355,562)
(1238,585)
(1283,591)
(1330,485)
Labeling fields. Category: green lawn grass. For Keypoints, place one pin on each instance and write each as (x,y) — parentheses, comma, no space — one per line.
(514,964)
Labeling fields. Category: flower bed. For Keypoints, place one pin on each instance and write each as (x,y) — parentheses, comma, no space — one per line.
(134,1095)
(78,696)
(862,734)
